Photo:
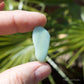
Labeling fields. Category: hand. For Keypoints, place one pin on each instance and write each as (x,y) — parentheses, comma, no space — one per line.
(22,21)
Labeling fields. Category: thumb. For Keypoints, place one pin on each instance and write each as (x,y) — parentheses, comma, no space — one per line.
(29,73)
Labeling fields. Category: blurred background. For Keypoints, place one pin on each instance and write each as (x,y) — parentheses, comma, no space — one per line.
(66,27)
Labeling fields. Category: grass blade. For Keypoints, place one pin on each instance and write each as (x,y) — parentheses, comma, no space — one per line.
(75,57)
(51,79)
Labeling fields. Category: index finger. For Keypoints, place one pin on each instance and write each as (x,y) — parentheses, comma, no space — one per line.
(2,5)
(20,21)
(1,0)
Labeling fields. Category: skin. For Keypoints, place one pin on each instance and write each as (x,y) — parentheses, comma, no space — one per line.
(22,21)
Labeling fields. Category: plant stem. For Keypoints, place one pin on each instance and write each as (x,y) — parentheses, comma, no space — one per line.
(54,65)
(20,6)
(10,4)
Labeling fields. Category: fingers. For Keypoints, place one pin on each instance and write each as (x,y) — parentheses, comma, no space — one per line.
(20,21)
(29,73)
(1,1)
(2,5)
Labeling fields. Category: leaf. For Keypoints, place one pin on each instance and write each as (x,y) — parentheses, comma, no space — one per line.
(20,56)
(82,13)
(55,2)
(51,79)
(83,64)
(71,49)
(75,57)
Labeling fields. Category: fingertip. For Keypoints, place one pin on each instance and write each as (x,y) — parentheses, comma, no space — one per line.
(44,20)
(42,72)
(30,20)
(20,21)
(2,5)
(29,73)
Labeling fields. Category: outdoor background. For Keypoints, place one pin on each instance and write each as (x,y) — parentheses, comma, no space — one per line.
(66,27)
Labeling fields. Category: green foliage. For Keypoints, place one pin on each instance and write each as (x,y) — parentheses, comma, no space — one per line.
(67,18)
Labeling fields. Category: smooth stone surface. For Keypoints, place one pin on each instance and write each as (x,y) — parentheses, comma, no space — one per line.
(41,40)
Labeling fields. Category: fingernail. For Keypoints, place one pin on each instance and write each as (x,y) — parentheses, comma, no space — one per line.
(42,72)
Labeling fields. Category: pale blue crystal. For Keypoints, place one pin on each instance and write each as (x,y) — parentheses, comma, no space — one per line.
(41,40)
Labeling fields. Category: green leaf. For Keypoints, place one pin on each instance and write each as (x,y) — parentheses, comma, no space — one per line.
(83,64)
(75,57)
(51,79)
